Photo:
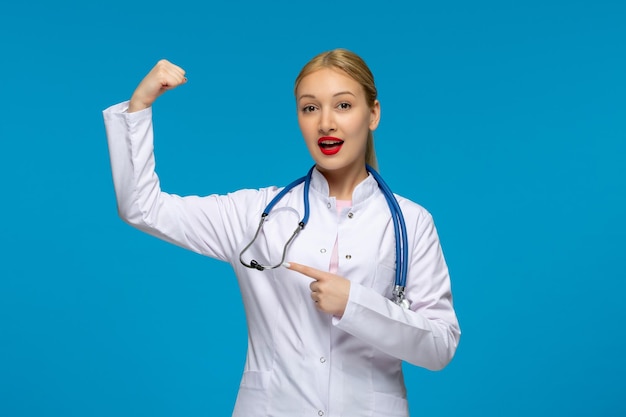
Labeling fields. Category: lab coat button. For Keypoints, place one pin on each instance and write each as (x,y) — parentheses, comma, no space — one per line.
(328,205)
(348,256)
(322,250)
(322,359)
(350,215)
(320,413)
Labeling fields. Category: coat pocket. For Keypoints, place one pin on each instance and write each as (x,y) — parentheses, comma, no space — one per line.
(387,405)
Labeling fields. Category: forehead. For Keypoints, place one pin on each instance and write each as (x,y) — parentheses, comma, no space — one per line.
(328,81)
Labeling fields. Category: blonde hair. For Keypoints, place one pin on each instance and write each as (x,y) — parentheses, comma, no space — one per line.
(357,69)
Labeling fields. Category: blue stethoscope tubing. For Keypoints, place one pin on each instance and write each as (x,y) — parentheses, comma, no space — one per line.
(402,245)
(399,227)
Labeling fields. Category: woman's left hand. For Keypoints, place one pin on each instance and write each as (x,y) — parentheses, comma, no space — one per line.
(329,291)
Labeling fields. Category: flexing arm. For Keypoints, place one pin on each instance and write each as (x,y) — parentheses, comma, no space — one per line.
(210,225)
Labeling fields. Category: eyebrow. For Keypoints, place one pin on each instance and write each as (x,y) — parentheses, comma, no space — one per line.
(334,95)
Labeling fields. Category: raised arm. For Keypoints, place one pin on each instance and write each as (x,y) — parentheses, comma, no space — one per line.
(211,225)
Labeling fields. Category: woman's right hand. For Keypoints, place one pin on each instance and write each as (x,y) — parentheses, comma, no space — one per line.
(162,77)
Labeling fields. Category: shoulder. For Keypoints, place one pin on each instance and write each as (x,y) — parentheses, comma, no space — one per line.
(413,211)
(246,196)
(420,225)
(241,202)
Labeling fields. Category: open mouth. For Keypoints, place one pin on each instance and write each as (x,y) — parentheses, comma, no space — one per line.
(329,145)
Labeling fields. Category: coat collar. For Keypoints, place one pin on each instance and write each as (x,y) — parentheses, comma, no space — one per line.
(363,191)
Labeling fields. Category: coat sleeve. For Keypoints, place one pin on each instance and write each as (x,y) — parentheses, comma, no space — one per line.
(211,225)
(428,333)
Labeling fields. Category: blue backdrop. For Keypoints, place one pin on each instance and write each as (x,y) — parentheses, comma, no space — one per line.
(505,119)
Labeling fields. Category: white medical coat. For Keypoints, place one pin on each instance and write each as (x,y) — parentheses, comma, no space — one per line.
(300,361)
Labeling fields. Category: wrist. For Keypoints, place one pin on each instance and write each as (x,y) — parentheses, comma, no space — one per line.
(135,104)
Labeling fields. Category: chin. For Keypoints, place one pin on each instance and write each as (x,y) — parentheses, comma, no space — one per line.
(336,165)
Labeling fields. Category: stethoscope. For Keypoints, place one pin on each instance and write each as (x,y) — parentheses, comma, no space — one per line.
(399,227)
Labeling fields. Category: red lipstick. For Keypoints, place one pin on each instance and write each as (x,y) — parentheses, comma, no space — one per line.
(329,145)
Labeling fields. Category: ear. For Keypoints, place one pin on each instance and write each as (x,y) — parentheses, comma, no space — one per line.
(375,115)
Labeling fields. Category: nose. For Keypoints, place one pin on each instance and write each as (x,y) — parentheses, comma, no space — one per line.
(327,123)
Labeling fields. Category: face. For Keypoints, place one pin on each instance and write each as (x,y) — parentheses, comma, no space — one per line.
(335,120)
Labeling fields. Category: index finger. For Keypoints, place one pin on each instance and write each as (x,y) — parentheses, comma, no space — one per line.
(310,272)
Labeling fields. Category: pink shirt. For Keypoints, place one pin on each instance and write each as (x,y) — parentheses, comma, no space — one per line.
(334,259)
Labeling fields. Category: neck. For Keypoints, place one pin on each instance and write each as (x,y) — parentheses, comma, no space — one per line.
(341,183)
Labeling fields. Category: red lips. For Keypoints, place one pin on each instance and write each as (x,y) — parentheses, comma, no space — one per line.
(329,145)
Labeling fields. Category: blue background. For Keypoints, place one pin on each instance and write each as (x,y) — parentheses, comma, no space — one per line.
(505,119)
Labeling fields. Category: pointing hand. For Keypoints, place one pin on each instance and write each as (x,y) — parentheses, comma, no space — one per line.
(330,292)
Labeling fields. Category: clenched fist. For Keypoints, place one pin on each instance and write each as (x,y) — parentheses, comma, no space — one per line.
(162,77)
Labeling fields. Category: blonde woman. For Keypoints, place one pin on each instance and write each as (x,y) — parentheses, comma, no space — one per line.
(328,331)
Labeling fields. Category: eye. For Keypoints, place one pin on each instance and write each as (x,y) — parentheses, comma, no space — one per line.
(308,109)
(344,106)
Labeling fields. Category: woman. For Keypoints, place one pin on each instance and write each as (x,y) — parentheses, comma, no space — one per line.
(325,337)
